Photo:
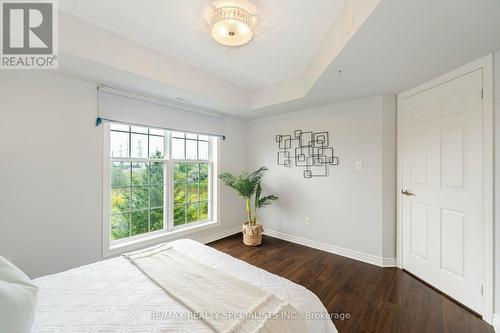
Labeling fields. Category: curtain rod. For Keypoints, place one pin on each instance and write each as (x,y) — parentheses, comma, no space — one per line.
(99,121)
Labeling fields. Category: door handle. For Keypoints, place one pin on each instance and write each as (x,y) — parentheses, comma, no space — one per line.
(407,193)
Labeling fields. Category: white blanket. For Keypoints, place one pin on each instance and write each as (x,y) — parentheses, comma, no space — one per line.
(114,296)
(225,303)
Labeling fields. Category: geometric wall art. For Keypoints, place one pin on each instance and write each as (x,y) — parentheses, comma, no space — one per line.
(308,150)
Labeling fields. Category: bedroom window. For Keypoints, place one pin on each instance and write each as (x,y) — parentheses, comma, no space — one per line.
(137,180)
(192,170)
(160,182)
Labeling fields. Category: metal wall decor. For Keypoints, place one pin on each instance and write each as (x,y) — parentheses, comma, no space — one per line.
(307,150)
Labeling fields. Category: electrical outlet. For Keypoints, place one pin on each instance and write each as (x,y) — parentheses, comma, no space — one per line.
(307,220)
(358,165)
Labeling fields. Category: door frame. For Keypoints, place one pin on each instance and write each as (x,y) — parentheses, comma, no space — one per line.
(486,65)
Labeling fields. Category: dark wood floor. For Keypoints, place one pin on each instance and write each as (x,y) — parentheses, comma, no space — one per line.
(378,299)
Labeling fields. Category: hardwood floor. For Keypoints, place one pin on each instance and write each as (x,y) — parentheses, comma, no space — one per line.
(377,299)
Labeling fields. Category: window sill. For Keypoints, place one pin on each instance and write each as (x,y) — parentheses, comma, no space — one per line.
(142,242)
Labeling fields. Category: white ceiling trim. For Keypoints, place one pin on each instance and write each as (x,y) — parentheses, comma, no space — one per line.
(178,29)
(114,50)
(350,18)
(375,58)
(90,43)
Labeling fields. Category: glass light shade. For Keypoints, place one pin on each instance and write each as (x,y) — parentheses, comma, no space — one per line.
(231,26)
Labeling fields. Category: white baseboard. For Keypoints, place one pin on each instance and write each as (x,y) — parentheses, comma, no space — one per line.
(219,235)
(496,322)
(389,262)
(356,255)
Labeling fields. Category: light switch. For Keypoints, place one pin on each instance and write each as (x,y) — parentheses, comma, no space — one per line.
(358,165)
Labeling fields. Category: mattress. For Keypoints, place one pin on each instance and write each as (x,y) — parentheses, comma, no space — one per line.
(114,296)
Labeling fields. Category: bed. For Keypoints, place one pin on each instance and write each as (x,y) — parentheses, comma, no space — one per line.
(115,296)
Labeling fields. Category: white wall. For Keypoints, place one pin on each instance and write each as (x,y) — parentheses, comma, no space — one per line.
(389,172)
(51,172)
(348,208)
(497,185)
(50,152)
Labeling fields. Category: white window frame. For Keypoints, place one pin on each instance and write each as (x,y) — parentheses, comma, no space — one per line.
(171,184)
(169,231)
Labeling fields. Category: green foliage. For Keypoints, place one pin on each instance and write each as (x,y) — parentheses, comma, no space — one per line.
(136,197)
(261,202)
(248,185)
(190,192)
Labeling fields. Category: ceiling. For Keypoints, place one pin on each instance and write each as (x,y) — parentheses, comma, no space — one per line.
(402,44)
(287,32)
(294,62)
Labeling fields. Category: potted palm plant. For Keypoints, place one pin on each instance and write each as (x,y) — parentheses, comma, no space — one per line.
(248,185)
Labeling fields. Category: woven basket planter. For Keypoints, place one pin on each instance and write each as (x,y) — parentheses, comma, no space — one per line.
(252,234)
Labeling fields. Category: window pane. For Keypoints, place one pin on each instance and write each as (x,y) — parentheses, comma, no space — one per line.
(120,200)
(192,212)
(120,226)
(139,147)
(203,172)
(203,211)
(192,192)
(138,189)
(120,174)
(192,170)
(179,193)
(139,174)
(191,150)
(202,150)
(119,143)
(203,190)
(138,129)
(179,214)
(119,127)
(178,149)
(140,197)
(156,173)
(156,196)
(154,131)
(139,222)
(156,144)
(156,216)
(180,170)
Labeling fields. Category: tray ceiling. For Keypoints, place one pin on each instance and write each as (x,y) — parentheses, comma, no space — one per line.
(287,34)
(297,61)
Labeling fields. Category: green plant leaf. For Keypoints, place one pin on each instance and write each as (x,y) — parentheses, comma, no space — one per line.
(247,185)
(267,201)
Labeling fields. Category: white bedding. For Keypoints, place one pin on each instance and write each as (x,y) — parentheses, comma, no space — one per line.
(114,296)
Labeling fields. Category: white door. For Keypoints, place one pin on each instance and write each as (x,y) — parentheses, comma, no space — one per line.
(442,179)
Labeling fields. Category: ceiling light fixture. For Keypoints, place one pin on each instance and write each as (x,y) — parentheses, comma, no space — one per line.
(231,25)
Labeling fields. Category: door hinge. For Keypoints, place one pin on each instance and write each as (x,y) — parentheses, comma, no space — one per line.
(482,288)
(482,93)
